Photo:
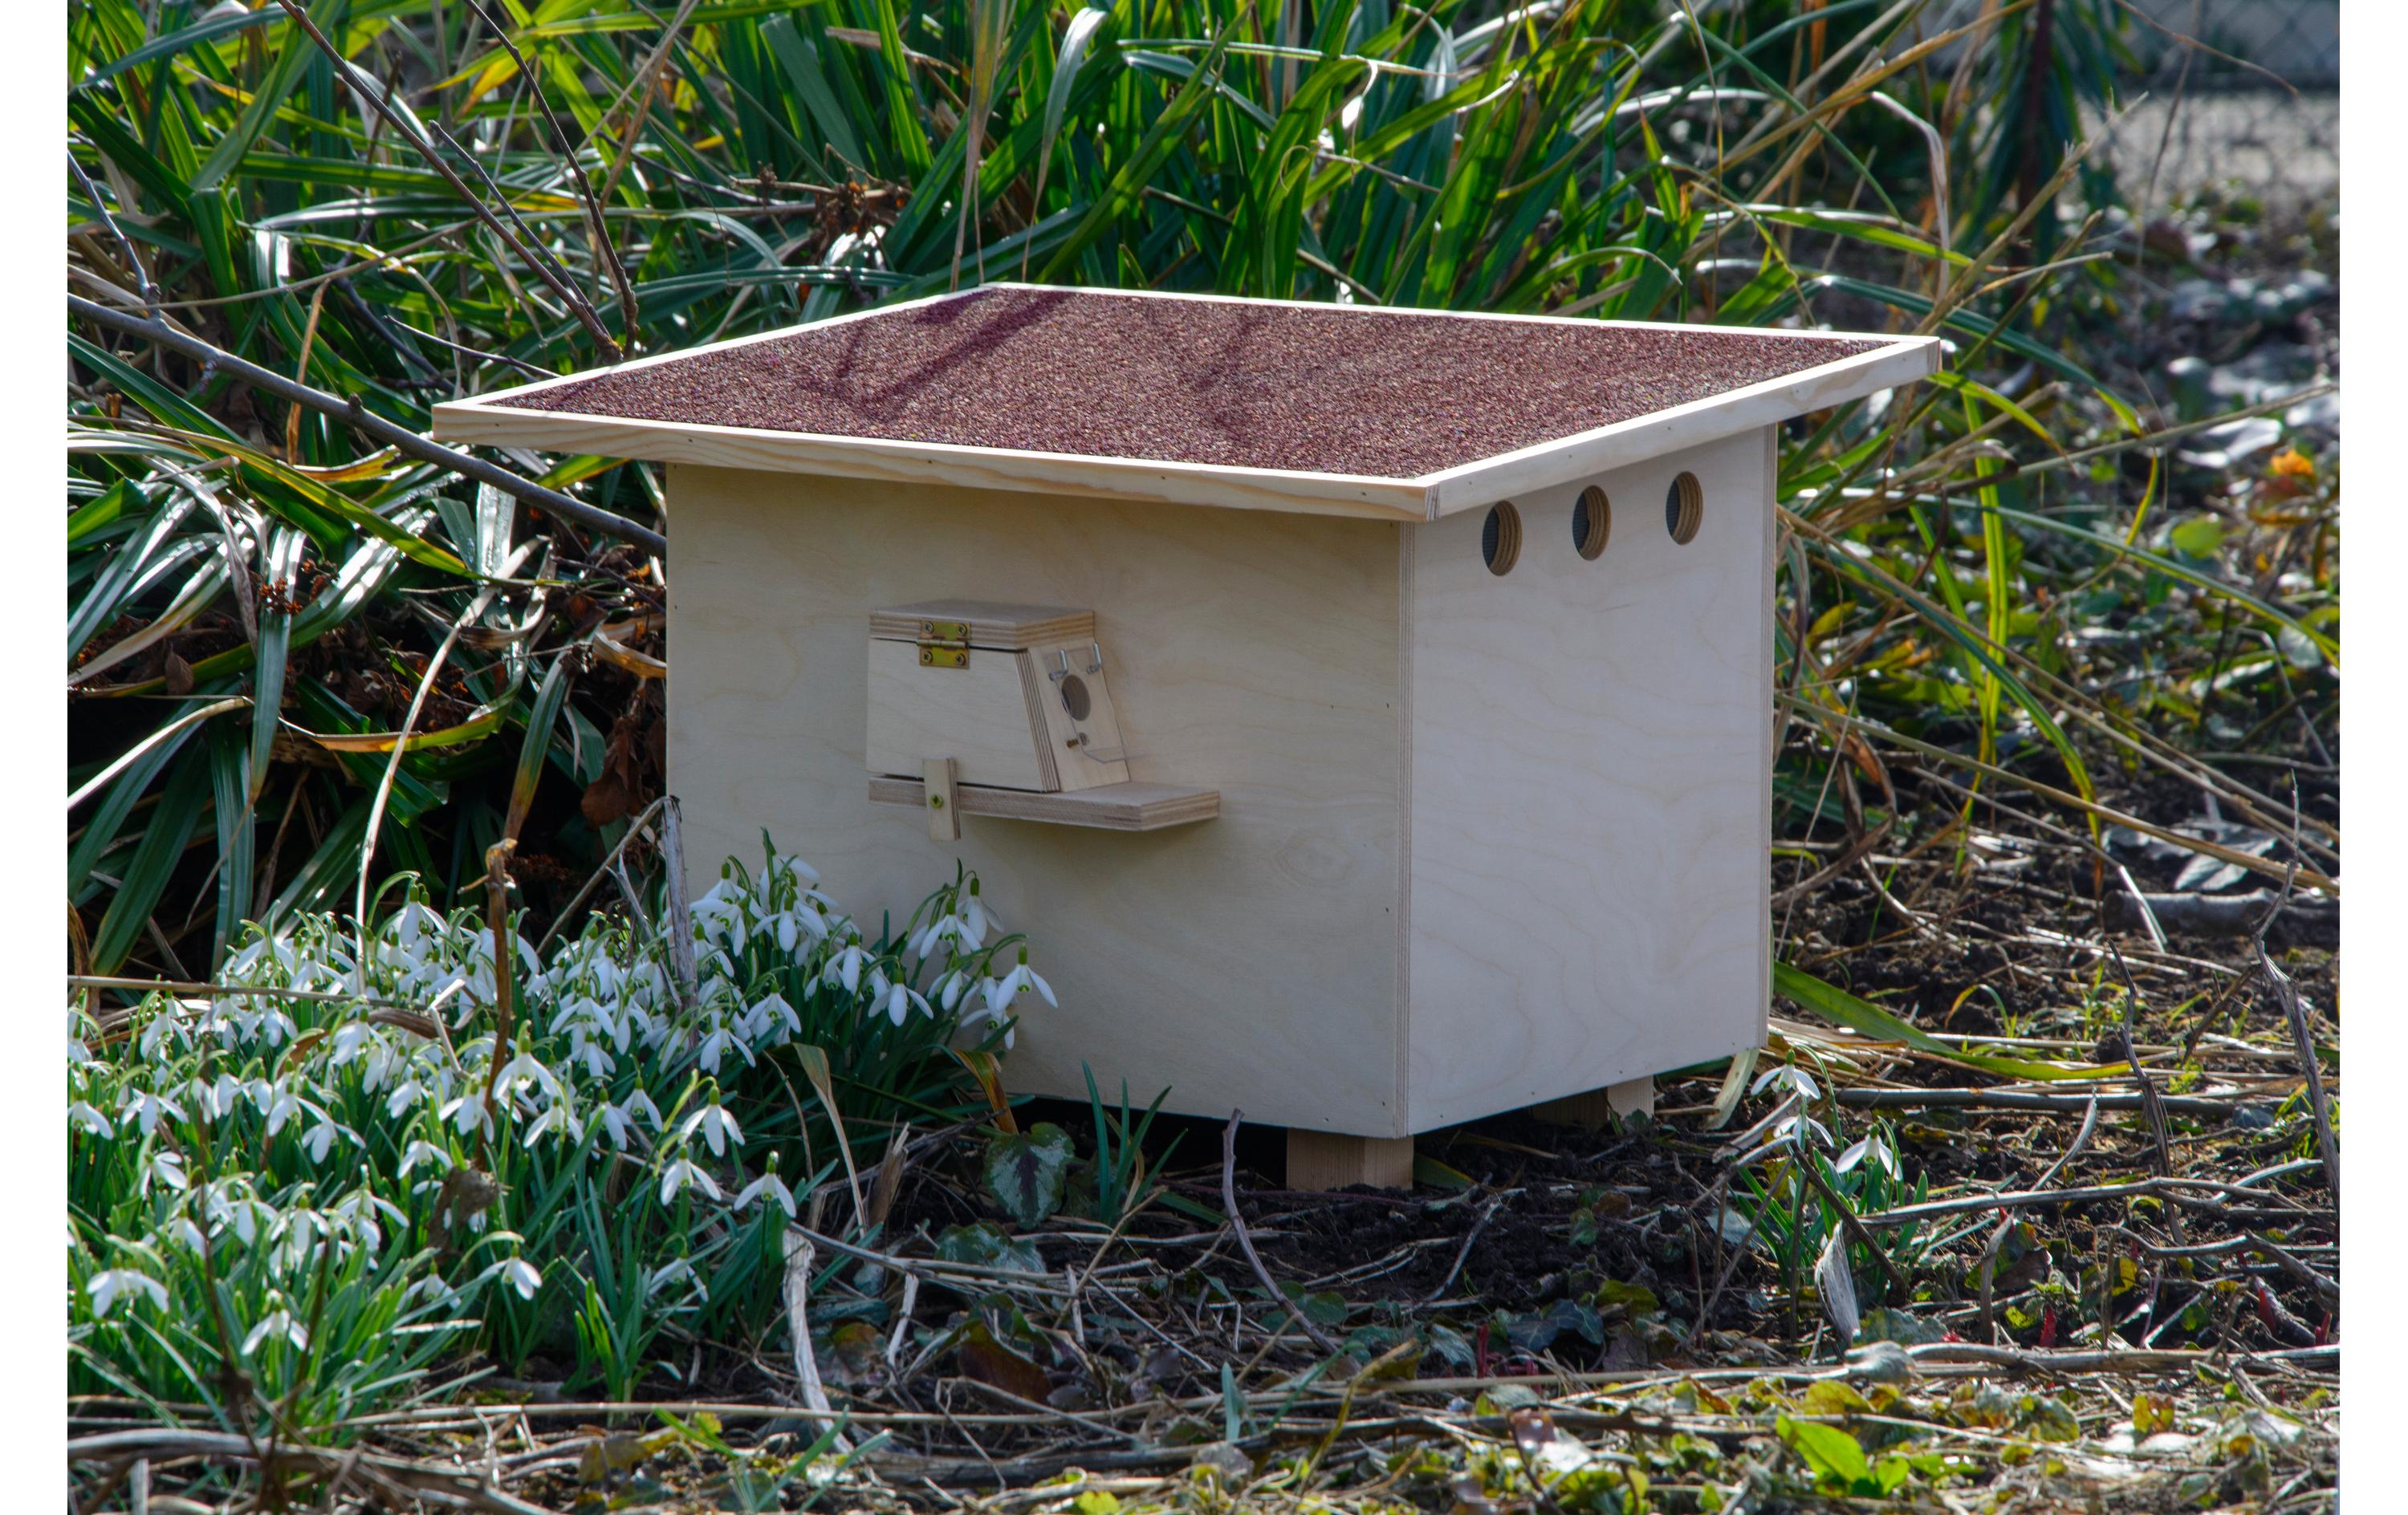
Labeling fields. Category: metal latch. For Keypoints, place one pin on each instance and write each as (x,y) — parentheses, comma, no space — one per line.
(944,644)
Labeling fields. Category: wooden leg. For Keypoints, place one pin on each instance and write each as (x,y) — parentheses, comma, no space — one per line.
(1600,1107)
(1325,1160)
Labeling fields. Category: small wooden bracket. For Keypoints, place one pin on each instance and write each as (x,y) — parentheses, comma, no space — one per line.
(1600,1107)
(1328,1160)
(942,799)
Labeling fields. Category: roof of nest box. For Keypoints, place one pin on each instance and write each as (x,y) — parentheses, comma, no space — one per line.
(1205,400)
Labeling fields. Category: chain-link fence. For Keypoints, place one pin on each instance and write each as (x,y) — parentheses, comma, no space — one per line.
(2237,98)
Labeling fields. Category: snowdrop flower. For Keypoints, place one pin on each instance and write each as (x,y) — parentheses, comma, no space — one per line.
(1872,1147)
(598,1063)
(467,1113)
(427,1152)
(616,1124)
(771,1185)
(277,1322)
(668,1273)
(319,1138)
(1797,1081)
(900,997)
(84,1117)
(717,1126)
(949,988)
(107,1288)
(714,1047)
(1020,980)
(682,1174)
(349,1039)
(1790,1127)
(526,1069)
(641,1103)
(555,1118)
(187,1235)
(769,1010)
(145,1108)
(164,1026)
(523,1276)
(409,1093)
(431,1288)
(973,914)
(245,1216)
(167,1168)
(283,1107)
(845,967)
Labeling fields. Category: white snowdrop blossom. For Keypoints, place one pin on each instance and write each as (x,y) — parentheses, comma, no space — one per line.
(523,1276)
(167,1168)
(116,1283)
(85,1119)
(145,1109)
(682,1174)
(769,1185)
(717,1126)
(275,1324)
(846,966)
(901,999)
(427,1152)
(680,1270)
(1020,980)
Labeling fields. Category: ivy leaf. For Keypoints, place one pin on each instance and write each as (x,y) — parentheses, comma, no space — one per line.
(984,1245)
(1025,1172)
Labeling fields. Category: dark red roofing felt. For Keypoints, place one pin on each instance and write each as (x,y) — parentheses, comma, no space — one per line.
(1326,389)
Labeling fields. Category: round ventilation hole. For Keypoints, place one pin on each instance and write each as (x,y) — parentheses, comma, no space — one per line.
(1592,523)
(1684,508)
(1074,696)
(1500,538)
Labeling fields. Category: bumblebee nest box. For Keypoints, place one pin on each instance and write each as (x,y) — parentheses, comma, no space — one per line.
(1369,710)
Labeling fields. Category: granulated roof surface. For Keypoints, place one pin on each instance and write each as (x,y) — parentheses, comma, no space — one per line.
(1324,389)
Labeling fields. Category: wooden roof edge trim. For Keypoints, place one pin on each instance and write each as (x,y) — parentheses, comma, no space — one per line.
(942,463)
(1528,318)
(537,386)
(1547,464)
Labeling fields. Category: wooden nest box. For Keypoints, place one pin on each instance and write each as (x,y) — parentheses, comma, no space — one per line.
(1368,712)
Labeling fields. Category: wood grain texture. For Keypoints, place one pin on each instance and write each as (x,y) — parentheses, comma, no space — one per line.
(1319,1160)
(940,799)
(1130,806)
(990,622)
(1251,961)
(1086,753)
(1590,772)
(979,716)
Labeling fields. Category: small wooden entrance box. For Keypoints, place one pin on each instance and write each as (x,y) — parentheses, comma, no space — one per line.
(1426,766)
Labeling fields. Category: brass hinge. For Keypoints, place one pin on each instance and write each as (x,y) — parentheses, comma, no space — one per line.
(945,644)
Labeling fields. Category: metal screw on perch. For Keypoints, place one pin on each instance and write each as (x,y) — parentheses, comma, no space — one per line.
(944,815)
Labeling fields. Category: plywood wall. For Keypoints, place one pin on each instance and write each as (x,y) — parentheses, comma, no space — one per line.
(1252,959)
(1590,783)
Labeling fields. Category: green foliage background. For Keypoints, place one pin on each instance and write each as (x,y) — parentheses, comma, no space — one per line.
(696,170)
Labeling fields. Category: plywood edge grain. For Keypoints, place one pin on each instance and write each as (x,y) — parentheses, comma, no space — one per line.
(1130,806)
(990,622)
(1479,485)
(480,421)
